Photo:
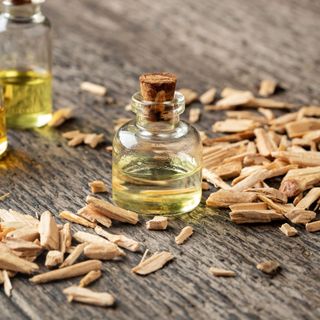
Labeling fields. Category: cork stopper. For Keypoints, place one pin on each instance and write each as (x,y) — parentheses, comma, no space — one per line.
(158,86)
(17,2)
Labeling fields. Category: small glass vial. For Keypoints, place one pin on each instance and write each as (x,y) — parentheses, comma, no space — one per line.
(3,132)
(25,63)
(157,158)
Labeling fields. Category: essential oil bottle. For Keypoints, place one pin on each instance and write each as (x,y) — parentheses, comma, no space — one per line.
(3,133)
(25,63)
(157,157)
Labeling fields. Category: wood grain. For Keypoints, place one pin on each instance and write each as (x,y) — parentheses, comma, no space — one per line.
(206,43)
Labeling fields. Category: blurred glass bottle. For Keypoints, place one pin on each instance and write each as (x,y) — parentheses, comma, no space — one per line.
(25,63)
(3,133)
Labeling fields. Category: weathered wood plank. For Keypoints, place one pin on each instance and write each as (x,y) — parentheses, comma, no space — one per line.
(234,43)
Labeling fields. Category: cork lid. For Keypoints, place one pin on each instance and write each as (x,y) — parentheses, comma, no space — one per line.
(21,2)
(158,86)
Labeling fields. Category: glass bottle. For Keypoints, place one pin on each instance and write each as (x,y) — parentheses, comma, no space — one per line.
(3,133)
(25,63)
(156,165)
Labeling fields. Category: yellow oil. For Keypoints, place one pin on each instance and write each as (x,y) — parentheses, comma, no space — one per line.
(157,187)
(27,98)
(3,134)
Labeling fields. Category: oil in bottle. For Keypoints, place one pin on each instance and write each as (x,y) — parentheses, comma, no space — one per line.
(3,134)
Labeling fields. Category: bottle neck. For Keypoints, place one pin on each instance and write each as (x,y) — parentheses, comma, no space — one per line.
(22,12)
(157,117)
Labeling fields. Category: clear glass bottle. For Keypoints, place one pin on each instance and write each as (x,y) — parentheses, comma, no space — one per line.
(157,163)
(25,63)
(3,133)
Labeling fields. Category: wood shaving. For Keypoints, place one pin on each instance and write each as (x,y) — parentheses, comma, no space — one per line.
(267,88)
(184,235)
(313,226)
(107,251)
(153,263)
(74,255)
(75,270)
(89,213)
(65,237)
(208,96)
(225,198)
(157,223)
(6,283)
(312,196)
(90,277)
(189,95)
(93,88)
(288,230)
(218,272)
(84,295)
(49,232)
(93,139)
(234,125)
(205,186)
(300,216)
(53,258)
(254,216)
(268,267)
(194,115)
(60,116)
(76,219)
(98,186)
(82,236)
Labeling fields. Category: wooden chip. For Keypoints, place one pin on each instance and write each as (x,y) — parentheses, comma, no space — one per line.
(92,215)
(234,125)
(76,270)
(312,196)
(218,272)
(227,92)
(6,283)
(249,206)
(225,198)
(84,295)
(257,175)
(111,211)
(229,170)
(107,251)
(77,140)
(205,186)
(268,267)
(312,136)
(60,116)
(49,232)
(194,115)
(254,216)
(305,159)
(313,226)
(109,149)
(4,196)
(81,236)
(189,95)
(53,258)
(208,96)
(26,233)
(93,139)
(76,219)
(23,248)
(264,143)
(119,239)
(90,277)
(153,263)
(267,113)
(269,103)
(74,255)
(98,186)
(271,193)
(302,127)
(278,207)
(93,88)
(70,134)
(14,216)
(235,99)
(267,88)
(249,115)
(213,178)
(300,216)
(288,230)
(9,261)
(229,138)
(65,237)
(157,223)
(184,235)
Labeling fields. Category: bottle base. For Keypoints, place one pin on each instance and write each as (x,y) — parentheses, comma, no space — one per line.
(28,121)
(3,148)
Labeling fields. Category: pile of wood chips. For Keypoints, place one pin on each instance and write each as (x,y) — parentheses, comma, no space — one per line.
(25,239)
(259,148)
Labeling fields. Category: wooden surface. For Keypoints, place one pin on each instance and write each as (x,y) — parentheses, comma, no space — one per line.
(207,42)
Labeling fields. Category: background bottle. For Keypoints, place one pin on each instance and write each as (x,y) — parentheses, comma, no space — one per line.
(25,63)
(157,158)
(3,133)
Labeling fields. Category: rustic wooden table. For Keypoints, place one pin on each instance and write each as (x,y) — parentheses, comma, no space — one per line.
(207,42)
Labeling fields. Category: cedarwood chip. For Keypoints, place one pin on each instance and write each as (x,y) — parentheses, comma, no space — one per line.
(93,88)
(267,88)
(26,233)
(74,255)
(312,196)
(301,127)
(205,186)
(53,258)
(208,96)
(76,219)
(313,226)
(60,116)
(92,215)
(6,283)
(194,115)
(300,216)
(249,206)
(84,295)
(254,216)
(23,248)
(93,139)
(82,236)
(268,267)
(98,186)
(76,140)
(189,95)
(236,99)
(107,251)
(213,178)
(184,234)
(119,239)
(49,232)
(264,143)
(153,263)
(288,230)
(65,237)
(75,270)
(218,272)
(113,212)
(157,223)
(90,277)
(234,125)
(225,198)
